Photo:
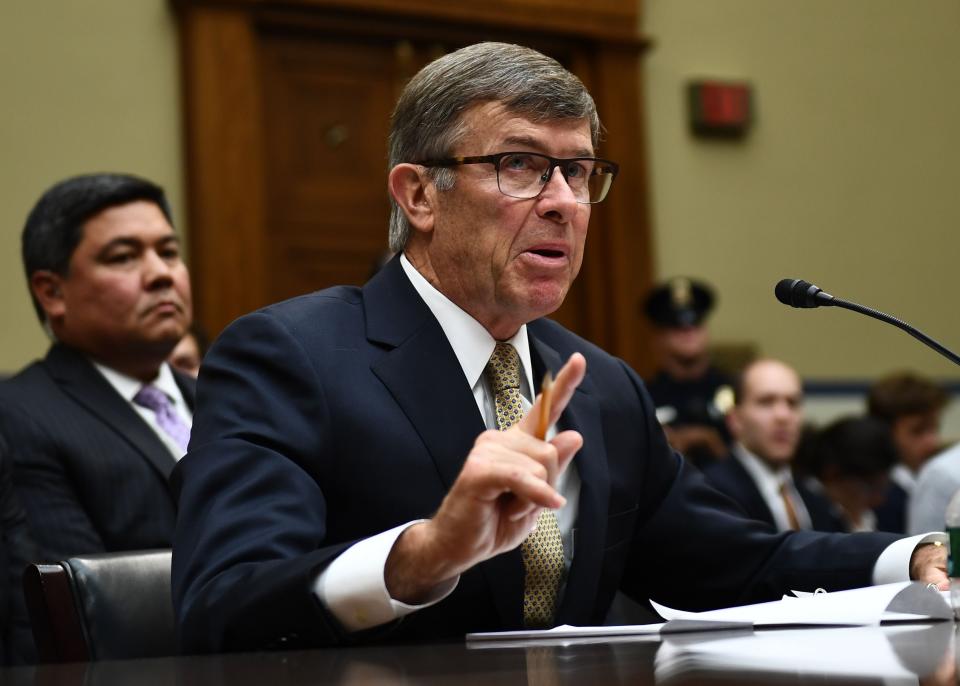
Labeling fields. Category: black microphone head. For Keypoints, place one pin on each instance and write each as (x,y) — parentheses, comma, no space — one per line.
(799,293)
(783,291)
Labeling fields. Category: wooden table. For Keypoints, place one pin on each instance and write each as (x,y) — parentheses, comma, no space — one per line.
(914,654)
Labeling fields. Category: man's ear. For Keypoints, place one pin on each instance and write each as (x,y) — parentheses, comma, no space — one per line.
(47,288)
(414,193)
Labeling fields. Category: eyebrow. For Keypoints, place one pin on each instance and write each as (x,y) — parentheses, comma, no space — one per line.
(127,241)
(536,144)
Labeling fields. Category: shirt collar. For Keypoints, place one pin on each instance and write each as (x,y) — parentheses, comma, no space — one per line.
(901,475)
(127,386)
(767,478)
(471,343)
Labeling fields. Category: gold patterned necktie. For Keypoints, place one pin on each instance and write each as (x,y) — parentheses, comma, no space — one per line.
(792,519)
(542,551)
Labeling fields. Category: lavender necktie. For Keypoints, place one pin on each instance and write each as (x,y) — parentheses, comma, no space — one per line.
(154,399)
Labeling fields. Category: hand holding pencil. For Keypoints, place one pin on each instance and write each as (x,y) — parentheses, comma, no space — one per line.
(506,480)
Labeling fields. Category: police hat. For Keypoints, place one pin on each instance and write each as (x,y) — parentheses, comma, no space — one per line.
(679,302)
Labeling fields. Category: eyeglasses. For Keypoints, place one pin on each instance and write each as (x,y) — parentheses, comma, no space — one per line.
(524,174)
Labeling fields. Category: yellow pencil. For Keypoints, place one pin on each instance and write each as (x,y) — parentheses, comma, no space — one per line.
(546,395)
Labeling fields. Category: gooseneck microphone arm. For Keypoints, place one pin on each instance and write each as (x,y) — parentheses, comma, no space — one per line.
(799,293)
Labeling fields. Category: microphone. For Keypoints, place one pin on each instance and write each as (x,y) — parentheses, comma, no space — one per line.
(803,294)
(799,293)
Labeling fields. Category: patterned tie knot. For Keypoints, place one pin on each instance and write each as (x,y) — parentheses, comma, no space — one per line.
(503,372)
(503,369)
(152,398)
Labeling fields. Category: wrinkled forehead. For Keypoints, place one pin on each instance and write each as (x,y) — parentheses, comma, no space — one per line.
(492,125)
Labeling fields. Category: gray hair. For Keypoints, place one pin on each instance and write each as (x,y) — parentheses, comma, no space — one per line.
(428,119)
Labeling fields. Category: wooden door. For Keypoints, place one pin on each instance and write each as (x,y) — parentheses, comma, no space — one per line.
(288,114)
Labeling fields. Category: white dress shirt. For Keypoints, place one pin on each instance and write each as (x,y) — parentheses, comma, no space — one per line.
(352,587)
(769,481)
(127,387)
(904,477)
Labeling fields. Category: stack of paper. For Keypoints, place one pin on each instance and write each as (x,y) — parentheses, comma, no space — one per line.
(909,601)
(890,603)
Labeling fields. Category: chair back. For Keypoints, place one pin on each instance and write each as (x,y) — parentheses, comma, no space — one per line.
(111,606)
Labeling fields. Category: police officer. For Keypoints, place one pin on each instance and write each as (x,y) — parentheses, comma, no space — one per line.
(691,395)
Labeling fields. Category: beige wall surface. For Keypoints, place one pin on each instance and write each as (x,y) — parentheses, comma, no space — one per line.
(849,178)
(85,86)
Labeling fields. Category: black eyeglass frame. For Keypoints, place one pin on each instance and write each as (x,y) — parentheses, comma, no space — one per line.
(611,168)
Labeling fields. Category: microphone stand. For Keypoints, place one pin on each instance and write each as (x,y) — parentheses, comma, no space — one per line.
(900,324)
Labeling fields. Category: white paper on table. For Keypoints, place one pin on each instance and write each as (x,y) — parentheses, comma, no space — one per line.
(905,601)
(566,634)
(863,651)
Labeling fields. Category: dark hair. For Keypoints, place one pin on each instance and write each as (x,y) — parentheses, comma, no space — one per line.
(904,393)
(54,226)
(854,446)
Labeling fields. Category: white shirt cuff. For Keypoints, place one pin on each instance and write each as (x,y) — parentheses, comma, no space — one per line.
(353,589)
(893,565)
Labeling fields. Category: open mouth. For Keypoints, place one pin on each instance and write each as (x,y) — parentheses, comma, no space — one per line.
(547,252)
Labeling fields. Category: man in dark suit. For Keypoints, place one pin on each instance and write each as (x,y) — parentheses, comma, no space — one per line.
(96,427)
(347,480)
(765,421)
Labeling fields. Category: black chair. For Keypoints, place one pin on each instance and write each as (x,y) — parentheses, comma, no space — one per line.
(112,606)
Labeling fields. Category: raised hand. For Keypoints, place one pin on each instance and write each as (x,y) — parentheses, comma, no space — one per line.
(507,478)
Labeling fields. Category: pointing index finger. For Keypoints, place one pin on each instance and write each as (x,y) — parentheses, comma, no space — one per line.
(553,399)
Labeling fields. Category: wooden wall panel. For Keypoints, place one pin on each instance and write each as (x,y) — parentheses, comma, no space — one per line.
(287,114)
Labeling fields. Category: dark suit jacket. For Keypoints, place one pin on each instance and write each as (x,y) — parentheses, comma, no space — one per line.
(335,416)
(892,514)
(731,478)
(91,474)
(16,552)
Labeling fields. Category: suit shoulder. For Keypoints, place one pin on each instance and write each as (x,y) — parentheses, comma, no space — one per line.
(566,343)
(327,301)
(330,305)
(32,378)
(725,474)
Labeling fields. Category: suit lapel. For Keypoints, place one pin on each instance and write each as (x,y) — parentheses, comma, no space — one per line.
(425,377)
(590,529)
(81,381)
(421,370)
(752,498)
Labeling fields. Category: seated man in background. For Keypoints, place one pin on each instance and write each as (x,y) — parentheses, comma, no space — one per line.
(766,422)
(96,427)
(851,460)
(939,480)
(188,353)
(911,406)
(690,394)
(362,455)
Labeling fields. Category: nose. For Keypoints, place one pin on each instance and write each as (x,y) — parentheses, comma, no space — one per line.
(783,410)
(557,200)
(157,272)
